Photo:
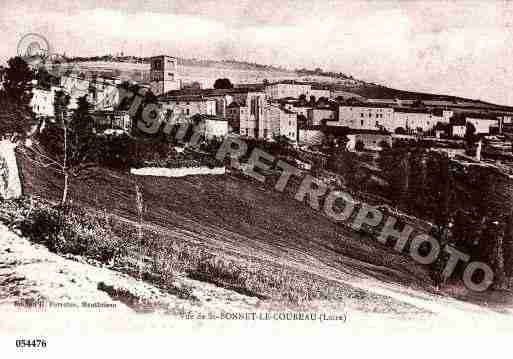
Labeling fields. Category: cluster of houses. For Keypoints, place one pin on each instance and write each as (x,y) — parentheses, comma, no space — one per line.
(302,112)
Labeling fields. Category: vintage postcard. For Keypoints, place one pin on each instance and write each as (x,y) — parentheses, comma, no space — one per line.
(254,170)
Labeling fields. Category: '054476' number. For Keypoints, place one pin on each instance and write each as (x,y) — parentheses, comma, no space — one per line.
(31,343)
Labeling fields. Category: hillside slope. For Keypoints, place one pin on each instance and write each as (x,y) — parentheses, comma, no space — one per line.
(247,223)
(206,72)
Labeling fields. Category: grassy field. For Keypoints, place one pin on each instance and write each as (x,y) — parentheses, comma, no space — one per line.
(257,230)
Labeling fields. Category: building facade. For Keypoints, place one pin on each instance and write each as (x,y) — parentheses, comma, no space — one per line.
(164,74)
(211,126)
(364,117)
(112,120)
(247,115)
(42,102)
(414,121)
(285,89)
(371,141)
(320,91)
(316,116)
(310,137)
(187,106)
(215,127)
(483,125)
(282,122)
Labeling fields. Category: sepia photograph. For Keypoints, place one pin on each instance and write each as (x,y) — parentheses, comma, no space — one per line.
(185,173)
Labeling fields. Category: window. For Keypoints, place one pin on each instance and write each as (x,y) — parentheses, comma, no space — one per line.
(362,122)
(361,115)
(187,112)
(157,65)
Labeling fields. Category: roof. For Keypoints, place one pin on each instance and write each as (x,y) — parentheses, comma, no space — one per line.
(288,111)
(189,98)
(205,92)
(412,110)
(257,86)
(234,104)
(323,108)
(204,117)
(297,104)
(366,105)
(477,116)
(157,56)
(290,82)
(321,87)
(287,99)
(369,132)
(110,112)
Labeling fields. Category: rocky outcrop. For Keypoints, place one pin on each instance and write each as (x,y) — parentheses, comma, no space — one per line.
(10,185)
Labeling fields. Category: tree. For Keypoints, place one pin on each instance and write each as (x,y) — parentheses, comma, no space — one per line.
(353,101)
(384,145)
(359,146)
(70,143)
(15,120)
(302,121)
(470,132)
(18,81)
(323,101)
(16,116)
(45,79)
(470,138)
(400,131)
(223,83)
(195,85)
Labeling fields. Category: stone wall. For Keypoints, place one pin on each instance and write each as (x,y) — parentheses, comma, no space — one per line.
(177,172)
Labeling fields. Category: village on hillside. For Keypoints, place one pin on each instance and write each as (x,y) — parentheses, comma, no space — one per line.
(305,113)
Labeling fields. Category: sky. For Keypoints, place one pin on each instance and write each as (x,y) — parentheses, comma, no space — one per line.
(461,48)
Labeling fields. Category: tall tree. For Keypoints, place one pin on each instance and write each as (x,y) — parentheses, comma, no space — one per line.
(16,116)
(470,138)
(15,120)
(18,81)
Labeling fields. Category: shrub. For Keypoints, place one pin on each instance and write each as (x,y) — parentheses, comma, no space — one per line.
(359,146)
(71,230)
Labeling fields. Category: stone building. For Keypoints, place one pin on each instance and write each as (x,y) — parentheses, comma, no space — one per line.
(285,89)
(164,74)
